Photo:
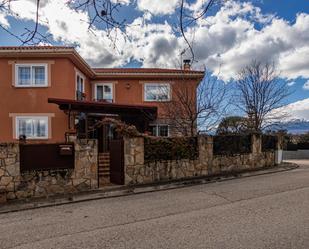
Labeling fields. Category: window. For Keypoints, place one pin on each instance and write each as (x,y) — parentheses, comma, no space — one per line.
(104,91)
(159,130)
(156,92)
(32,127)
(80,87)
(31,75)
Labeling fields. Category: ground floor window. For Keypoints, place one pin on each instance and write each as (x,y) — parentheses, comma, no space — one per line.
(32,127)
(159,130)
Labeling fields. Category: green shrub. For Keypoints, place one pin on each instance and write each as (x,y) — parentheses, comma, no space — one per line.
(158,149)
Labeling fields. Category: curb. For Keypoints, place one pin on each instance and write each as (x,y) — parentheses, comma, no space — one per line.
(138,189)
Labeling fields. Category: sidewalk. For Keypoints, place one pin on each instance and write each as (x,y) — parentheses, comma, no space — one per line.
(117,191)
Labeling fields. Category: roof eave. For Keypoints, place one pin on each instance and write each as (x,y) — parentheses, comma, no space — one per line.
(50,52)
(99,76)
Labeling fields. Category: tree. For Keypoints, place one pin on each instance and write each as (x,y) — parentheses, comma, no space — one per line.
(191,111)
(233,125)
(259,94)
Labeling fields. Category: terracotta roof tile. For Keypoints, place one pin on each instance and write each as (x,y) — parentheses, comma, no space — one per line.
(144,71)
(34,47)
(103,72)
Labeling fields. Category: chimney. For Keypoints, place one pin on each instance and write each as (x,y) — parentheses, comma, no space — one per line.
(187,64)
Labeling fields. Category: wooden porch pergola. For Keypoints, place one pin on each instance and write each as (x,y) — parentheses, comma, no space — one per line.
(138,115)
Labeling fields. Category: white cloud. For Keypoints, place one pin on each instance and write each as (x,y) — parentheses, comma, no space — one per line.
(306,85)
(294,63)
(72,27)
(237,41)
(123,2)
(3,21)
(291,83)
(158,7)
(297,111)
(25,9)
(226,41)
(153,44)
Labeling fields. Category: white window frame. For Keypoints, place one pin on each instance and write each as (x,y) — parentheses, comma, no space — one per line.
(31,76)
(46,118)
(157,129)
(157,84)
(103,84)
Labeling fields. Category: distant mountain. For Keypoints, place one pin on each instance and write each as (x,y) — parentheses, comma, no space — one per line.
(297,121)
(296,126)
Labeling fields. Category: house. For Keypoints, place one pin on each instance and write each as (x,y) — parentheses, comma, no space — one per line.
(47,92)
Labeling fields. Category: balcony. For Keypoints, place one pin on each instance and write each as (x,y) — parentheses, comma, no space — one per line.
(80,96)
(104,100)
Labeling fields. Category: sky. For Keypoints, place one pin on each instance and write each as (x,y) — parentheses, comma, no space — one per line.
(224,41)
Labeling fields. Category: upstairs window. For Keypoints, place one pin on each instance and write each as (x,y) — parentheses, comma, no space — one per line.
(32,127)
(31,75)
(156,92)
(80,87)
(104,91)
(159,130)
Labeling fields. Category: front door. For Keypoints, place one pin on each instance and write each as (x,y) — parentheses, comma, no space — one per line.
(116,149)
(105,134)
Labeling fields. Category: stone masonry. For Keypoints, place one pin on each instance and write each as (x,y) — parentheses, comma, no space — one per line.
(17,185)
(207,164)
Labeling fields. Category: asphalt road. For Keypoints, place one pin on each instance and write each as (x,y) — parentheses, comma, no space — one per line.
(269,211)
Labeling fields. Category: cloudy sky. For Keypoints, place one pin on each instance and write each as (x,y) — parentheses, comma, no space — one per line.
(228,38)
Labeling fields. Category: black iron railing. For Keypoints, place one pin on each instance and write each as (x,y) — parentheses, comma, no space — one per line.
(80,95)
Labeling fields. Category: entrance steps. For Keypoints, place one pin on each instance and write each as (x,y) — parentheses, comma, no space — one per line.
(104,168)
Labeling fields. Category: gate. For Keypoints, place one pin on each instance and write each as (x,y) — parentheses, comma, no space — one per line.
(46,156)
(116,161)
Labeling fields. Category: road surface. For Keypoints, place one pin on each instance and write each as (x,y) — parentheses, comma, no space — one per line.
(268,211)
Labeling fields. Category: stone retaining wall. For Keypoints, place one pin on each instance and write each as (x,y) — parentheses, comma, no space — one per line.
(138,172)
(17,185)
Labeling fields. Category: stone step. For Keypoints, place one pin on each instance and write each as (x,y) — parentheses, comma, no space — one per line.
(104,175)
(104,181)
(104,154)
(103,169)
(106,162)
(102,165)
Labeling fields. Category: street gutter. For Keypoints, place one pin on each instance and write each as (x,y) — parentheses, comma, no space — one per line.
(113,192)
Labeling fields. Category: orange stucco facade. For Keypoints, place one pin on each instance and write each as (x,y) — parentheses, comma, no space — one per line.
(62,68)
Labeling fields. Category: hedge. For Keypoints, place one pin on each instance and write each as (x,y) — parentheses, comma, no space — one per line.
(232,144)
(158,149)
(269,143)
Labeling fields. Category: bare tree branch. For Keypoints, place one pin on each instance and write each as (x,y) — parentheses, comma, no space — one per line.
(260,93)
(187,20)
(191,111)
(101,13)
